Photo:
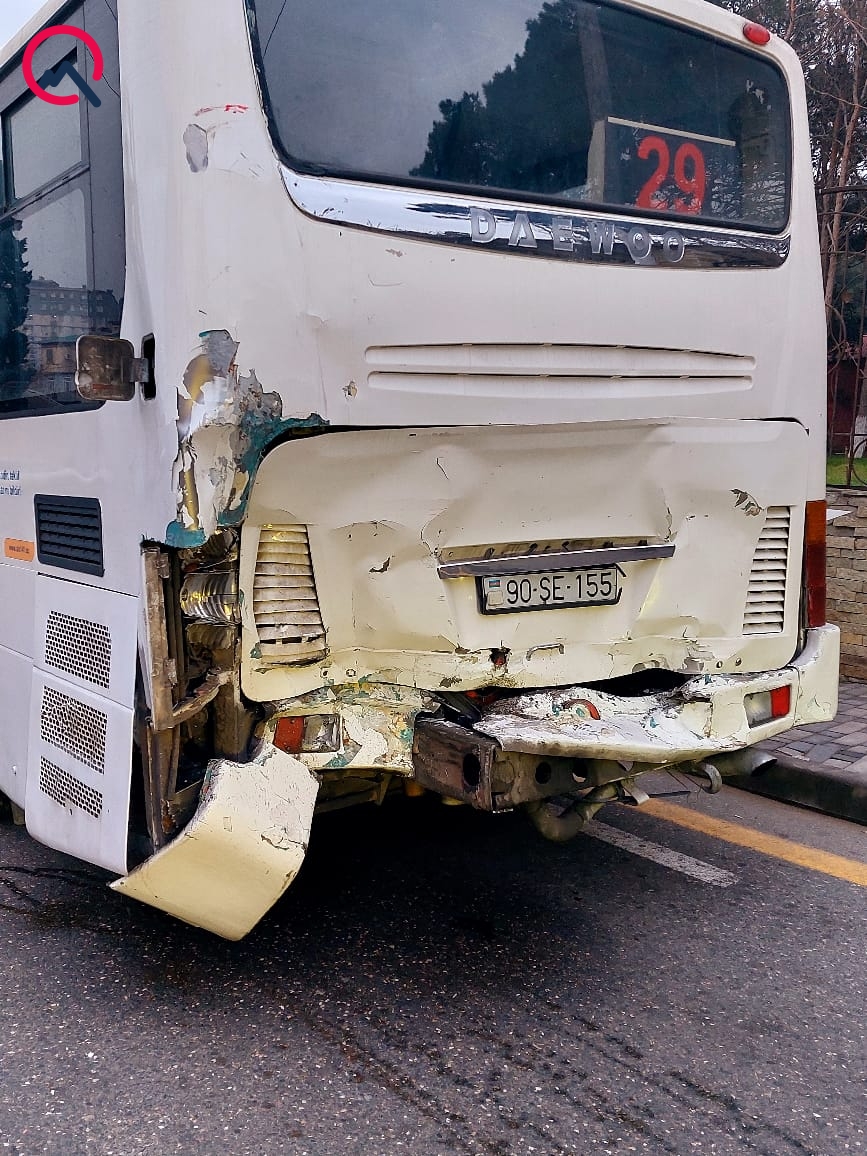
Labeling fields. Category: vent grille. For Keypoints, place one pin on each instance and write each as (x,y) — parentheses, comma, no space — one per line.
(65,789)
(766,595)
(74,727)
(78,647)
(553,370)
(69,533)
(285,605)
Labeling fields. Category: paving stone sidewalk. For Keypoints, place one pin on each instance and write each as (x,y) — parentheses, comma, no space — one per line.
(835,746)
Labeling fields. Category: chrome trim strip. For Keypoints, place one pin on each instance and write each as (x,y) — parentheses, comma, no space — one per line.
(529,231)
(539,563)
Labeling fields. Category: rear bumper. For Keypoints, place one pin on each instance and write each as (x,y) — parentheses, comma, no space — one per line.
(704,717)
(388,728)
(533,746)
(249,835)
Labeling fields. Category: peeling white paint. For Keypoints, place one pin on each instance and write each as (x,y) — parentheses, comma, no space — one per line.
(377,724)
(220,410)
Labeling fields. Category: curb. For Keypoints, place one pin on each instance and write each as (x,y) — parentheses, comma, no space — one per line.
(834,792)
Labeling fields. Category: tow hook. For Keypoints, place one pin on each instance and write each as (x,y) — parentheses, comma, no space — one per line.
(709,776)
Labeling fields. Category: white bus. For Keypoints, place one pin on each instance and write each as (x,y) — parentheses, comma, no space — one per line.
(398,396)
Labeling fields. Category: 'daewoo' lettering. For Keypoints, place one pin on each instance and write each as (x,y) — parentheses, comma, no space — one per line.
(483,225)
(639,244)
(522,233)
(562,234)
(638,240)
(601,237)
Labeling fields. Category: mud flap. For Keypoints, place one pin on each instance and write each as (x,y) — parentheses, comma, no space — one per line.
(240,851)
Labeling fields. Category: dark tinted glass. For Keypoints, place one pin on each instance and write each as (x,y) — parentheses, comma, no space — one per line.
(46,302)
(44,140)
(567,101)
(62,244)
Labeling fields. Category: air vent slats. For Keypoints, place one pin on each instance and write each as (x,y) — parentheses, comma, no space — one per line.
(79,647)
(69,533)
(764,612)
(285,604)
(68,791)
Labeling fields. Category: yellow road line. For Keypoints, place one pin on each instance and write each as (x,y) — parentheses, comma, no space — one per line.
(835,865)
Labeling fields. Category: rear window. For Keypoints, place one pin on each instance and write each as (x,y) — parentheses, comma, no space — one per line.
(564,102)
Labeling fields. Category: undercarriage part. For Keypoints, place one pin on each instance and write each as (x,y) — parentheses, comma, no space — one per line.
(190,708)
(166,651)
(454,761)
(462,764)
(339,790)
(744,762)
(562,818)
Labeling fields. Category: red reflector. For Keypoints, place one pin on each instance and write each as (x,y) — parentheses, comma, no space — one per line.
(584,709)
(781,699)
(814,563)
(756,34)
(289,734)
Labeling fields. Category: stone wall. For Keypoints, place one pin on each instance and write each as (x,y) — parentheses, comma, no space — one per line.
(847,577)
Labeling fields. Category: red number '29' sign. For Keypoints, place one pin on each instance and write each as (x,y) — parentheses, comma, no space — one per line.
(689,175)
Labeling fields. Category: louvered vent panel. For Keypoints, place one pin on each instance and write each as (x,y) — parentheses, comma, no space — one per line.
(77,646)
(67,790)
(74,727)
(285,606)
(69,533)
(766,595)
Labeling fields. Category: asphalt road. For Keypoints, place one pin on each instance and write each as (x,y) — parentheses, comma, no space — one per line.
(438,982)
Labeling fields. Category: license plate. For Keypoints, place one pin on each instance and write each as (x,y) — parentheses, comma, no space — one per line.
(550,589)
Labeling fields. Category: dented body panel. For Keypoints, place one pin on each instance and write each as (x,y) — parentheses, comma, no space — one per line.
(406,498)
(702,718)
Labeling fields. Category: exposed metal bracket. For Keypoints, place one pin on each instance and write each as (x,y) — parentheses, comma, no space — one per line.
(562,560)
(165,713)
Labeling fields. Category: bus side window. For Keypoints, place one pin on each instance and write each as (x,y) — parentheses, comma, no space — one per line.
(61,227)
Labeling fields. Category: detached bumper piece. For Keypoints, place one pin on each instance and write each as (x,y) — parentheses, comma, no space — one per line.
(239,852)
(534,746)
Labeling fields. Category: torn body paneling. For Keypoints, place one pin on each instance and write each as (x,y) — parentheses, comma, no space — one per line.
(702,718)
(241,850)
(225,420)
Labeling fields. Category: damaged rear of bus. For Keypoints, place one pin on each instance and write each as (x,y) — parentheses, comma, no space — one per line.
(489,361)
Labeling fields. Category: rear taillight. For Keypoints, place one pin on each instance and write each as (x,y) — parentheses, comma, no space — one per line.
(764,705)
(309,733)
(814,563)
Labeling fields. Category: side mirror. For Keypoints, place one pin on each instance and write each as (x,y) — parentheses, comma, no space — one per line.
(107,369)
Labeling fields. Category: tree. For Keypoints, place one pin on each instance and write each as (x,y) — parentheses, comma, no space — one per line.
(14,298)
(830,37)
